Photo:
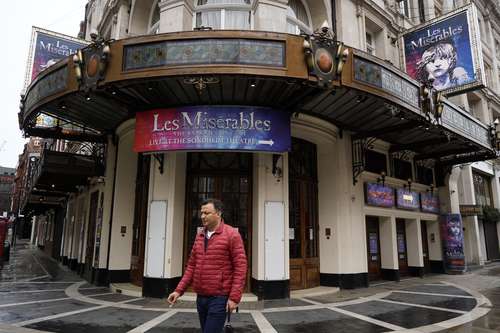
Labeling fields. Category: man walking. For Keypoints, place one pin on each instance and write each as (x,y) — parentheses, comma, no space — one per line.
(216,267)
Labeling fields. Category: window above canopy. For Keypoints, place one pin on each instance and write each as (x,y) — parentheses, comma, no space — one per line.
(223,14)
(154,21)
(298,18)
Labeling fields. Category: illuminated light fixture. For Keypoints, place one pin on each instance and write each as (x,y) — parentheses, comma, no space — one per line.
(53,185)
(409,181)
(77,62)
(253,83)
(431,189)
(150,88)
(113,92)
(87,97)
(342,55)
(381,179)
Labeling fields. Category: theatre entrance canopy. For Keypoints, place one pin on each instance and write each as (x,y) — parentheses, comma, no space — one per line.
(109,82)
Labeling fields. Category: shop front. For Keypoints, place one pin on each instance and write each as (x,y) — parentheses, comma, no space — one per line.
(280,128)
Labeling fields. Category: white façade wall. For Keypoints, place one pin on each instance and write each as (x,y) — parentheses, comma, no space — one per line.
(270,15)
(267,187)
(109,179)
(170,187)
(123,206)
(324,135)
(434,240)
(414,246)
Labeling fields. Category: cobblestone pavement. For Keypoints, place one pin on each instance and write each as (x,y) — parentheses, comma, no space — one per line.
(40,295)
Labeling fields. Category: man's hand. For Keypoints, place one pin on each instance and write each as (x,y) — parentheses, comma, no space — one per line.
(231,306)
(172,298)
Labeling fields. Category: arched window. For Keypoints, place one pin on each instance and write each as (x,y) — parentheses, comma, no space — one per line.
(154,20)
(223,14)
(297,18)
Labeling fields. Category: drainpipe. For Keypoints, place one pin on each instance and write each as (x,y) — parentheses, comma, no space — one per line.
(334,18)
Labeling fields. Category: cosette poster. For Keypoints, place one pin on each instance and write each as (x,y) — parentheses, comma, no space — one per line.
(443,53)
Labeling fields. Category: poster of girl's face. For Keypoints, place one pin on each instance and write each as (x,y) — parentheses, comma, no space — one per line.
(441,53)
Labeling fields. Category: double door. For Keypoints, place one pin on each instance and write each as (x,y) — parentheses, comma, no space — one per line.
(303,215)
(140,218)
(425,247)
(402,249)
(89,252)
(373,248)
(223,176)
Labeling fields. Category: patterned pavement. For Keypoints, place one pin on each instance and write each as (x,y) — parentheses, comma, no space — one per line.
(40,295)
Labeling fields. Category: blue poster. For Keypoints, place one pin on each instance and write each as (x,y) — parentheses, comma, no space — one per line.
(407,199)
(213,128)
(379,195)
(452,241)
(440,53)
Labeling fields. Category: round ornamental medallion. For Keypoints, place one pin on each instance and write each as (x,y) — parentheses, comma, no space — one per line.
(93,66)
(324,60)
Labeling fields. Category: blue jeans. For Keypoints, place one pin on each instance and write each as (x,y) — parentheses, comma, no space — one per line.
(212,313)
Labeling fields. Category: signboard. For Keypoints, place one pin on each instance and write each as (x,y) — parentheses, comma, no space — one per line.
(213,128)
(429,202)
(407,199)
(452,240)
(47,48)
(446,52)
(379,195)
(471,210)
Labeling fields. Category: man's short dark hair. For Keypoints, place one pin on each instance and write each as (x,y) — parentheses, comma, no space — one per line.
(218,205)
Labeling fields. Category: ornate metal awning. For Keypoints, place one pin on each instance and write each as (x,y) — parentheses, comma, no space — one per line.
(108,82)
(55,174)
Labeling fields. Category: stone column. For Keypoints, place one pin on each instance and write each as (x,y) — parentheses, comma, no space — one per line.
(389,248)
(269,192)
(414,247)
(176,15)
(123,205)
(270,15)
(105,220)
(167,191)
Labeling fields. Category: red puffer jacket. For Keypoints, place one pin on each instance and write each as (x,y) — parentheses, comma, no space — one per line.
(221,269)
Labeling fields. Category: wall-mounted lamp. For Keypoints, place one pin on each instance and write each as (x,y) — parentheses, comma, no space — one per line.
(381,179)
(277,171)
(409,181)
(431,189)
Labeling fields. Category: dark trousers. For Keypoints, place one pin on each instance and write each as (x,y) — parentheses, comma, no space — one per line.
(212,313)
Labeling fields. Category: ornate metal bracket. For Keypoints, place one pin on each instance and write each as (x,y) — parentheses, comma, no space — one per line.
(161,161)
(359,147)
(325,57)
(200,82)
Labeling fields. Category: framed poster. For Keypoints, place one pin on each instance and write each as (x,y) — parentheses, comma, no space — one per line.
(407,199)
(379,195)
(445,53)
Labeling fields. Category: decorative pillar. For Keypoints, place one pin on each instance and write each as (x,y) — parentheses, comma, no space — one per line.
(176,15)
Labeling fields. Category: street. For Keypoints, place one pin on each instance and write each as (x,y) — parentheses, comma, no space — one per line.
(40,295)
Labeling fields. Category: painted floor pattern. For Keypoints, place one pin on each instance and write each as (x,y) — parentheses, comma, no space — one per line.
(40,295)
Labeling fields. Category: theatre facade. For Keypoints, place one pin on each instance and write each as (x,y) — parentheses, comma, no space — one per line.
(332,163)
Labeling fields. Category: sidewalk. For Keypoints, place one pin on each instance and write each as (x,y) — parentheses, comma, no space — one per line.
(37,293)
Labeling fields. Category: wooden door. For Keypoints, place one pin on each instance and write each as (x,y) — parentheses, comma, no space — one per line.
(401,244)
(373,248)
(425,247)
(491,239)
(303,215)
(89,251)
(140,219)
(223,176)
